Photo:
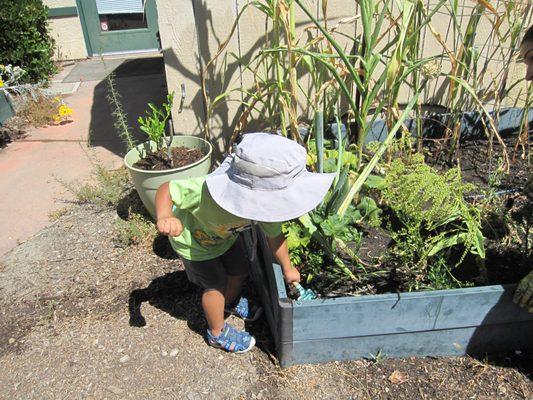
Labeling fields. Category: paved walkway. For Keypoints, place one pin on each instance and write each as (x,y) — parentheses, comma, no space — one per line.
(31,169)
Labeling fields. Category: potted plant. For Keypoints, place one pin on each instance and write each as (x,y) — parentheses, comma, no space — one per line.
(165,157)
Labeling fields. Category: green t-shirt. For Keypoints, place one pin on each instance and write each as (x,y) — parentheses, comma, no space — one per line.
(208,230)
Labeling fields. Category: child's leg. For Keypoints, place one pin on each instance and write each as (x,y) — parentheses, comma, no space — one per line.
(237,265)
(213,304)
(234,287)
(212,277)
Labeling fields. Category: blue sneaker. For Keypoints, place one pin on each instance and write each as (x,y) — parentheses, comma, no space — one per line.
(232,340)
(245,310)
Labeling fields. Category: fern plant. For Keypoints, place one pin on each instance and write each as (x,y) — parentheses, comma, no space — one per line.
(433,214)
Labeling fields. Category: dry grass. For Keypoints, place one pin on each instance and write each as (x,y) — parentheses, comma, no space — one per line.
(56,214)
(113,189)
(38,111)
(105,189)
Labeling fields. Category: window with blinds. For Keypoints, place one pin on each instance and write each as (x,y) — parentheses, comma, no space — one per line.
(120,6)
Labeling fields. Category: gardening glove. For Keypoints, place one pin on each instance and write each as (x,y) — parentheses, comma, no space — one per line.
(524,293)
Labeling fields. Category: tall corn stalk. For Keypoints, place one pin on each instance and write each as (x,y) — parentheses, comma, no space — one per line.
(377,89)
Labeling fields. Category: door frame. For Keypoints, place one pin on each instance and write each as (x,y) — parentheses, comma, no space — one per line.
(152,20)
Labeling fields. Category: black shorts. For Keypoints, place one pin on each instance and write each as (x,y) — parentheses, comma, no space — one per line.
(213,274)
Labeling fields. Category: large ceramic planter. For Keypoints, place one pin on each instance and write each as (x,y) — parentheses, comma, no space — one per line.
(147,182)
(435,323)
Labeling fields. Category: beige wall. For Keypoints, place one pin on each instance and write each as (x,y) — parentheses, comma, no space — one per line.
(67,32)
(59,3)
(190,37)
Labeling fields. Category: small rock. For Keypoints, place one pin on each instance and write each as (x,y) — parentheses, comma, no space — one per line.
(11,340)
(397,377)
(173,352)
(115,390)
(164,353)
(220,357)
(124,359)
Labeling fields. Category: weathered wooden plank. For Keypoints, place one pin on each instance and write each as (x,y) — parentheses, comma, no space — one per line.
(447,342)
(408,312)
(405,312)
(488,305)
(332,318)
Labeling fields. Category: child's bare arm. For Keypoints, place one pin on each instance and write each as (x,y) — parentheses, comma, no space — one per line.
(167,223)
(278,245)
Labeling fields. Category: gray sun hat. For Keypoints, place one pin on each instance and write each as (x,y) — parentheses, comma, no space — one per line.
(266,180)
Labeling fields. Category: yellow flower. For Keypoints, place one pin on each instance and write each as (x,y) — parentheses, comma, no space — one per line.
(1,83)
(56,118)
(65,110)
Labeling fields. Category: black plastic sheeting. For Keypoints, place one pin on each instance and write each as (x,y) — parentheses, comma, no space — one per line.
(472,127)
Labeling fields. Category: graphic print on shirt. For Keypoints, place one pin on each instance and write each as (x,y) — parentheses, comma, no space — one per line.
(223,232)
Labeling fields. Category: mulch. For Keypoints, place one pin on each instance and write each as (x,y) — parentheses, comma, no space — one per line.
(82,314)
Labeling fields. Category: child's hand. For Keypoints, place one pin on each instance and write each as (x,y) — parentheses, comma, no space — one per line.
(169,226)
(291,275)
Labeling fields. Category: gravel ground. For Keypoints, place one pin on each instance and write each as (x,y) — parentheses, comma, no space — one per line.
(84,317)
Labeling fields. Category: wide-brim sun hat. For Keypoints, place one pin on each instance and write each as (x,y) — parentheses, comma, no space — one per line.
(266,180)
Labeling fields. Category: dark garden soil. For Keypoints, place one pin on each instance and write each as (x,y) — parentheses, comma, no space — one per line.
(479,167)
(83,316)
(10,132)
(159,161)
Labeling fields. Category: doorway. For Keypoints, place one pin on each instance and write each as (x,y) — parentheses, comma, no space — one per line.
(119,26)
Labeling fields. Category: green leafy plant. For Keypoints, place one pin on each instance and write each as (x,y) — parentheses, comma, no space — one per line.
(433,214)
(155,122)
(25,40)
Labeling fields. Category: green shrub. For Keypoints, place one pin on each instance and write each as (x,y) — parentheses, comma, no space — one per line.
(24,38)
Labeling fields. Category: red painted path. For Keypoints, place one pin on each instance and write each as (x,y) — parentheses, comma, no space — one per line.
(30,169)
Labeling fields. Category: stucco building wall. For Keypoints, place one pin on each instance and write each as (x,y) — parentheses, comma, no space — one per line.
(67,32)
(192,32)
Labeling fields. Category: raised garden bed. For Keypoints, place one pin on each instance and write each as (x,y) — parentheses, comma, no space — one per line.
(433,323)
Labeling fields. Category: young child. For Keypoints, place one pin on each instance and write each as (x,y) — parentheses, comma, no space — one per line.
(265,180)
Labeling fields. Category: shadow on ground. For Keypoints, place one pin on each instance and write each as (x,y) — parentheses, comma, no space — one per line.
(175,295)
(138,82)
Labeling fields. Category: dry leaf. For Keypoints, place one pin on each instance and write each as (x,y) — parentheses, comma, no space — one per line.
(397,378)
